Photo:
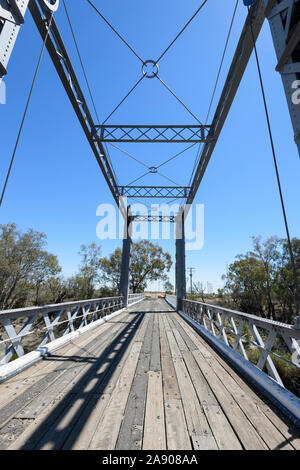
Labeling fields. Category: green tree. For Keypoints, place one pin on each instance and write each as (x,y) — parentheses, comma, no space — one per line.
(84,284)
(24,265)
(148,263)
(168,286)
(111,269)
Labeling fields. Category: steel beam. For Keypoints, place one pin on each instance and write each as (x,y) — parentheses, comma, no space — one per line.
(154,218)
(240,61)
(180,261)
(64,68)
(167,192)
(127,242)
(154,134)
(11,19)
(284,20)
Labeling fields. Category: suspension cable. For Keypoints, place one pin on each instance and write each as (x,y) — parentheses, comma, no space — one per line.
(129,93)
(26,109)
(177,155)
(115,31)
(129,155)
(292,258)
(178,99)
(87,82)
(180,33)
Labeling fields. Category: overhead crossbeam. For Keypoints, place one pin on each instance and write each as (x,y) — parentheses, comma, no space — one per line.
(153,218)
(153,134)
(240,61)
(166,192)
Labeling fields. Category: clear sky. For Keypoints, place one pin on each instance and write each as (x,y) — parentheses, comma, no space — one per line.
(56,184)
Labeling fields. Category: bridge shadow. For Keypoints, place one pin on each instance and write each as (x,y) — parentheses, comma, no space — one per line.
(102,369)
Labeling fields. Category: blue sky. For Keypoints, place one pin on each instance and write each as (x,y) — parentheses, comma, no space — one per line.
(56,184)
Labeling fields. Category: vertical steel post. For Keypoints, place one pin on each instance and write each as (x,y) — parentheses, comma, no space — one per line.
(127,242)
(284,20)
(180,260)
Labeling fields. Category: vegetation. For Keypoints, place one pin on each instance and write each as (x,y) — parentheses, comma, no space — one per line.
(148,263)
(30,275)
(261,281)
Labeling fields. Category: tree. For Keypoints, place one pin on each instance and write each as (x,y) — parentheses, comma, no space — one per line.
(199,290)
(148,263)
(111,269)
(24,265)
(262,283)
(84,284)
(168,286)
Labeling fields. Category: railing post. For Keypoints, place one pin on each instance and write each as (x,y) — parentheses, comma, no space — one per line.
(127,242)
(180,260)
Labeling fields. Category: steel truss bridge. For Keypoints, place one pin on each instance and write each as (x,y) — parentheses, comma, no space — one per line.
(142,373)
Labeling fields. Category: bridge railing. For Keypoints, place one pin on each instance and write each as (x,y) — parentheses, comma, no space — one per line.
(132,298)
(22,330)
(172,300)
(265,343)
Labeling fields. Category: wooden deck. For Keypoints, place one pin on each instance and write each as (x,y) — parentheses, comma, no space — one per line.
(145,380)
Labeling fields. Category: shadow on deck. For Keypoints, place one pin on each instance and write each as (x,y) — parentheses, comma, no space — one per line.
(144,380)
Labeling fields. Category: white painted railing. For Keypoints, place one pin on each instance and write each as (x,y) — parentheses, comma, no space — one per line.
(133,298)
(47,323)
(250,336)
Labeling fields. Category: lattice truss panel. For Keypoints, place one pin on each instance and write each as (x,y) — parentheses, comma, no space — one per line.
(25,330)
(154,192)
(268,344)
(151,134)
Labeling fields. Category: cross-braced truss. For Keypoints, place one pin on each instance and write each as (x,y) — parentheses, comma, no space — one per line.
(283,16)
(165,192)
(152,134)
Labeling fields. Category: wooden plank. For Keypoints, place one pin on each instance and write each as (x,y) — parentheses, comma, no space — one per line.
(268,432)
(187,339)
(48,420)
(170,384)
(208,443)
(181,343)
(68,376)
(84,430)
(176,427)
(14,387)
(154,427)
(106,434)
(196,420)
(241,425)
(155,349)
(290,435)
(204,392)
(131,432)
(175,351)
(222,431)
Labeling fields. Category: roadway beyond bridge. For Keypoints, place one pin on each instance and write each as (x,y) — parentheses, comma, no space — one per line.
(143,380)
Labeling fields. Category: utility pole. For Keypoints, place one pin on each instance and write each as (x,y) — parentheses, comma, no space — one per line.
(191,278)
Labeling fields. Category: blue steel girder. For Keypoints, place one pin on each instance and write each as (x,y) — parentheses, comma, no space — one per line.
(154,134)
